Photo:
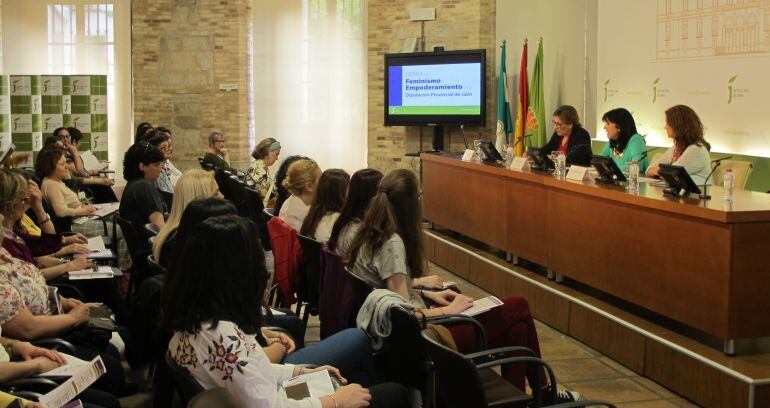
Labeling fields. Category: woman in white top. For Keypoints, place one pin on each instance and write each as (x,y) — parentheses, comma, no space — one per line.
(301,181)
(326,206)
(212,303)
(690,149)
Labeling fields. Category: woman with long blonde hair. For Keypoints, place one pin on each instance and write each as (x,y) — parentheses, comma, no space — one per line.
(192,185)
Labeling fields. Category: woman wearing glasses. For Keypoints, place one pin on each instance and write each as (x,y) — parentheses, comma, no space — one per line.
(569,137)
(167,177)
(218,157)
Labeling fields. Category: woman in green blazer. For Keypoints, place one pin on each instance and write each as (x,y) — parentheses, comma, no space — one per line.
(626,145)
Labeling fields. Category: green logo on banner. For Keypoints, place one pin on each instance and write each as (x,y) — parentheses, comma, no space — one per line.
(655,89)
(607,82)
(730,89)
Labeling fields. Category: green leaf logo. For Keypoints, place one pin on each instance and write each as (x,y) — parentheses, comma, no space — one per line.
(732,79)
(655,82)
(607,82)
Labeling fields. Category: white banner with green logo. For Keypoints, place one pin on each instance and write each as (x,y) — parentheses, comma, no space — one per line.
(32,106)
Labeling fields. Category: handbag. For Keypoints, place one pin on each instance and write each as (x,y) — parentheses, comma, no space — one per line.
(97,332)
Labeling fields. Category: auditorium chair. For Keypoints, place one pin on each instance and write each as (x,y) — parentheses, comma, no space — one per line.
(155,268)
(335,306)
(741,172)
(183,382)
(213,398)
(138,249)
(309,290)
(468,380)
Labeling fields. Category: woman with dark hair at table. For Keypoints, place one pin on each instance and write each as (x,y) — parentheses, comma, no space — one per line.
(626,145)
(690,149)
(569,137)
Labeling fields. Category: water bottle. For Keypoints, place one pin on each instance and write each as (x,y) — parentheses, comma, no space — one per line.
(728,184)
(633,178)
(561,166)
(508,154)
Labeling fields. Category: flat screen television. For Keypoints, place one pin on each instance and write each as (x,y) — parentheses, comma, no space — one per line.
(444,88)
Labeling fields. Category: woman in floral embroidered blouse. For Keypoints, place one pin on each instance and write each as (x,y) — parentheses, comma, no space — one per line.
(216,321)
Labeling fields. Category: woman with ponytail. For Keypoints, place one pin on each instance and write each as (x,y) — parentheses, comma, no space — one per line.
(388,253)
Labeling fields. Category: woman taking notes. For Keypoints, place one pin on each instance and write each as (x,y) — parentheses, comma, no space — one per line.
(690,149)
(626,144)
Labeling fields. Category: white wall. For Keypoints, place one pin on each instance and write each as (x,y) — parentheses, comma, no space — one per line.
(568,29)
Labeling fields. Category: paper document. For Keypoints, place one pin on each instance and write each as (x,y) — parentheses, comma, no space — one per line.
(482,305)
(315,384)
(83,377)
(96,244)
(98,254)
(103,210)
(449,284)
(90,162)
(71,368)
(99,273)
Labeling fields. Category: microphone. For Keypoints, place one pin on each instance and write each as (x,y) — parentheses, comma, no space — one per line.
(646,153)
(462,130)
(520,139)
(719,161)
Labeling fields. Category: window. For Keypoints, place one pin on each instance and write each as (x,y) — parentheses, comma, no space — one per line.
(62,38)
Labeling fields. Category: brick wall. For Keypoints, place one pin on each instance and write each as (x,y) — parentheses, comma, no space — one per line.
(181,51)
(460,24)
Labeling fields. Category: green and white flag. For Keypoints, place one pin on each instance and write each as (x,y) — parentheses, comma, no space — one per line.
(504,121)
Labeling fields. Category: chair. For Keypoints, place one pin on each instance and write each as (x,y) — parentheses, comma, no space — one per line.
(138,249)
(360,291)
(656,157)
(184,383)
(213,398)
(155,268)
(309,291)
(235,193)
(204,165)
(151,229)
(741,172)
(222,181)
(335,306)
(462,382)
(583,404)
(168,198)
(270,212)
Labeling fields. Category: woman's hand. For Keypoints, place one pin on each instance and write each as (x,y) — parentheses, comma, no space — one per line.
(69,303)
(81,313)
(352,396)
(35,197)
(85,210)
(459,304)
(75,239)
(73,249)
(432,281)
(333,371)
(78,264)
(27,351)
(274,337)
(104,181)
(653,171)
(44,364)
(441,298)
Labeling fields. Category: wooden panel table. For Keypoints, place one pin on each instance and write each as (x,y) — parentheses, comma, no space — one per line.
(692,260)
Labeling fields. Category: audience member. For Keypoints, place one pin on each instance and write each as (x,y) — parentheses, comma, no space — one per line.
(218,156)
(282,193)
(301,180)
(141,202)
(326,205)
(203,309)
(265,154)
(362,187)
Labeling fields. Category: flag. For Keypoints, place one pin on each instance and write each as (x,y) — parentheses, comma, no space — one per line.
(504,125)
(523,105)
(536,113)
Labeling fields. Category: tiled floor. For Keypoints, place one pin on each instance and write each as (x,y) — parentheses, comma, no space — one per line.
(577,367)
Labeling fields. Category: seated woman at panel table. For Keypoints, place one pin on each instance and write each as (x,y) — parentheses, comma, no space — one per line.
(301,180)
(258,176)
(326,206)
(569,137)
(626,144)
(214,297)
(388,252)
(690,149)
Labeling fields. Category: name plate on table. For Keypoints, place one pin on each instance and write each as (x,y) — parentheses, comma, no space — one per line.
(577,173)
(468,155)
(519,163)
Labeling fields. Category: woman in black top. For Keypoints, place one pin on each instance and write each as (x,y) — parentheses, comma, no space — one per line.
(141,202)
(569,137)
